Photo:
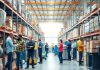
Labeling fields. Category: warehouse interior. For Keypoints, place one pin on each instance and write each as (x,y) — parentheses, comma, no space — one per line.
(52,21)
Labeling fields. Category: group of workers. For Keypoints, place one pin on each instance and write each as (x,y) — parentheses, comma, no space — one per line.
(21,46)
(31,47)
(74,46)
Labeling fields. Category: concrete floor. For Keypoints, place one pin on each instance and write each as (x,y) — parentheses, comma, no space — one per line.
(52,63)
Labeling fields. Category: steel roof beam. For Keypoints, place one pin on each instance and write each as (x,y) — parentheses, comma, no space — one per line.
(55,9)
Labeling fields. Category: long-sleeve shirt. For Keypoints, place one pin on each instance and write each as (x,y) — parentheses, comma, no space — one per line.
(9,45)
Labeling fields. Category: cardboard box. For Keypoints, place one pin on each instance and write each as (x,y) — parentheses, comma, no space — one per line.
(14,26)
(20,30)
(9,22)
(94,50)
(94,44)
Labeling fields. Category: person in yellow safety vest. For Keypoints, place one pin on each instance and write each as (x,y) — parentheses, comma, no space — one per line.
(36,52)
(80,50)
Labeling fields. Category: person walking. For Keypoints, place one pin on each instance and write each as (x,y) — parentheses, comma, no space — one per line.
(30,52)
(80,50)
(60,51)
(40,51)
(19,49)
(68,43)
(9,51)
(46,49)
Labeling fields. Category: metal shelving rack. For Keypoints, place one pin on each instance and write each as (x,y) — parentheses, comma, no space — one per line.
(17,17)
(87,17)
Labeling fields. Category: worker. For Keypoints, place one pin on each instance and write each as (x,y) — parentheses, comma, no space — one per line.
(40,51)
(30,52)
(61,51)
(36,52)
(46,49)
(56,50)
(9,51)
(80,50)
(52,46)
(19,49)
(74,46)
(68,44)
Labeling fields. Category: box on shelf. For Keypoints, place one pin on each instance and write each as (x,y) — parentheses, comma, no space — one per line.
(9,22)
(75,32)
(10,1)
(25,30)
(96,25)
(14,26)
(94,7)
(94,50)
(2,17)
(87,27)
(94,43)
(20,30)
(15,4)
(19,6)
(88,46)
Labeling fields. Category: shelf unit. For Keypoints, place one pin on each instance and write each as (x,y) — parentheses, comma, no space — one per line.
(89,30)
(87,18)
(18,18)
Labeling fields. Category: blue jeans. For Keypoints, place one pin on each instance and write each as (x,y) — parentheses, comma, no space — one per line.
(80,58)
(19,60)
(60,57)
(74,53)
(30,55)
(9,61)
(69,56)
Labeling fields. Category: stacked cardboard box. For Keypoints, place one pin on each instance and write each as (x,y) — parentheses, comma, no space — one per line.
(75,32)
(9,22)
(94,45)
(20,29)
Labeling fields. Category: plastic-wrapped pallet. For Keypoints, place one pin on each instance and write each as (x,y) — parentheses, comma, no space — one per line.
(2,17)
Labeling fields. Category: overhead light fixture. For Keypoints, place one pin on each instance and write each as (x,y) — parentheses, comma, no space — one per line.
(51,12)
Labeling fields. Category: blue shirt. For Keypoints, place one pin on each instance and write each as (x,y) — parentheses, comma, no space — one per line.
(40,44)
(68,44)
(9,45)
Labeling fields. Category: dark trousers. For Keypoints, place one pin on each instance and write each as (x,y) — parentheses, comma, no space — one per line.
(74,53)
(46,53)
(40,54)
(9,61)
(30,55)
(80,58)
(19,60)
(60,57)
(69,56)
